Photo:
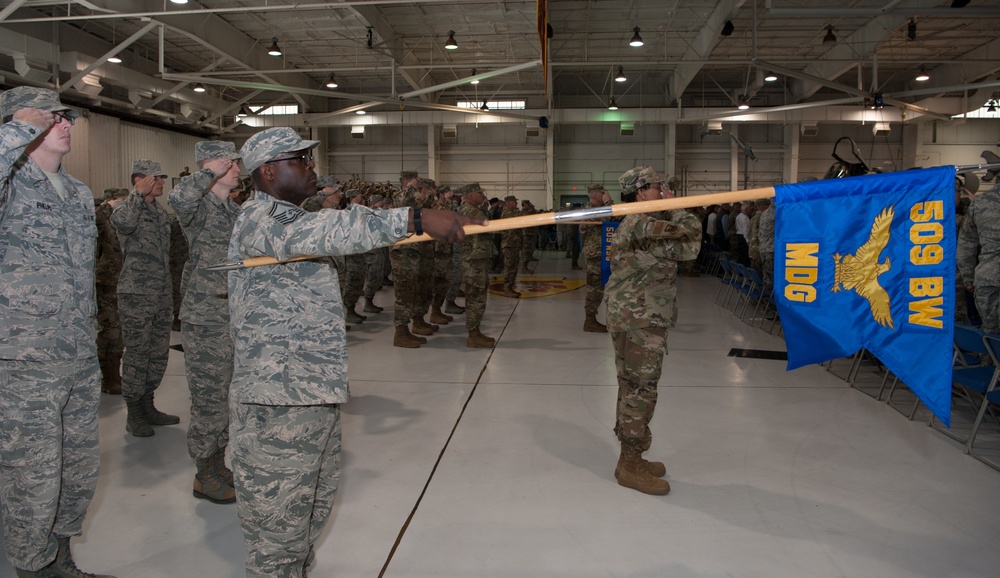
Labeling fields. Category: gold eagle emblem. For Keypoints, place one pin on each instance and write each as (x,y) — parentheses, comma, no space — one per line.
(860,271)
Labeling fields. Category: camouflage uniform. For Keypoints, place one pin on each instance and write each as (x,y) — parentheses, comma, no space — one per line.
(208,347)
(511,245)
(374,267)
(291,364)
(765,241)
(981,232)
(405,260)
(145,301)
(49,373)
(753,242)
(593,258)
(178,257)
(477,251)
(442,265)
(641,299)
(529,240)
(109,266)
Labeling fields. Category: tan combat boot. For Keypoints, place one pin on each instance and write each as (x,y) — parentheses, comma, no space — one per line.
(511,292)
(437,316)
(209,485)
(655,469)
(479,341)
(404,338)
(421,327)
(632,473)
(592,325)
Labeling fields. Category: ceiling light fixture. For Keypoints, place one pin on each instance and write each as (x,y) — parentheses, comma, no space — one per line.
(450,44)
(636,39)
(474,80)
(621,75)
(274,50)
(992,106)
(922,76)
(199,87)
(877,101)
(830,37)
(179,1)
(911,30)
(484,107)
(332,83)
(728,28)
(360,112)
(770,77)
(743,105)
(612,105)
(244,111)
(114,60)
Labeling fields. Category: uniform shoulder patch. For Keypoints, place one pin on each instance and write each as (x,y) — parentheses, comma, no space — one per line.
(285,214)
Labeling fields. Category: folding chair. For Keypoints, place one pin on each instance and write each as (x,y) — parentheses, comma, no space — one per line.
(752,289)
(727,281)
(969,373)
(990,396)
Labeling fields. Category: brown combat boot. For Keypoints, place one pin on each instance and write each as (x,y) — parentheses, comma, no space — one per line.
(209,485)
(219,463)
(632,473)
(439,317)
(63,566)
(592,325)
(421,327)
(655,469)
(479,341)
(511,292)
(404,338)
(135,420)
(155,416)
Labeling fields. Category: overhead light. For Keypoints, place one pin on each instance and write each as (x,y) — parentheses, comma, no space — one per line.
(727,28)
(451,44)
(992,106)
(743,105)
(877,101)
(911,30)
(244,111)
(332,83)
(484,107)
(114,60)
(199,87)
(922,75)
(360,112)
(179,1)
(612,105)
(474,80)
(621,75)
(770,77)
(636,39)
(274,50)
(830,37)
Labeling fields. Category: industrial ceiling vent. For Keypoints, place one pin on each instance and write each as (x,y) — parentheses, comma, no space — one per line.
(714,127)
(810,129)
(627,129)
(357,132)
(449,131)
(532,131)
(880,129)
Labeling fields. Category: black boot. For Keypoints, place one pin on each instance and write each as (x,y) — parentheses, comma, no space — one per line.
(136,423)
(65,567)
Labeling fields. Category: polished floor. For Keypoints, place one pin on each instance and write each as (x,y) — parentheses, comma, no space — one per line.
(499,463)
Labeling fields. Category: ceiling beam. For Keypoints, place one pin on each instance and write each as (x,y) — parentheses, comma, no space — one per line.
(706,40)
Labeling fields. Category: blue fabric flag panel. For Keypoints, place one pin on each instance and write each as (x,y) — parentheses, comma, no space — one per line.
(869,262)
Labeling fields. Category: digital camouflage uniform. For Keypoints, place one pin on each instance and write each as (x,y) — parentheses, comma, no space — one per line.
(178,257)
(510,244)
(291,364)
(49,372)
(641,301)
(477,252)
(981,232)
(442,266)
(145,301)
(593,258)
(208,347)
(109,266)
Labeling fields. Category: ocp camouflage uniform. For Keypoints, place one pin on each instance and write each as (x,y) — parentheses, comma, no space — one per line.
(510,243)
(425,273)
(528,241)
(291,372)
(109,266)
(981,232)
(405,260)
(765,240)
(208,346)
(641,301)
(49,372)
(754,241)
(593,258)
(477,253)
(442,266)
(145,300)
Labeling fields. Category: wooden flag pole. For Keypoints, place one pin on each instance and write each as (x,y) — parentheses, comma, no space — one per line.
(575,216)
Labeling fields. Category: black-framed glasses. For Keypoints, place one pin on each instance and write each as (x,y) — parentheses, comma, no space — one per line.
(62,114)
(306,159)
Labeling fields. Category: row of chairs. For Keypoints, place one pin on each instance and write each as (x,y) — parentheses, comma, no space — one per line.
(975,392)
(748,287)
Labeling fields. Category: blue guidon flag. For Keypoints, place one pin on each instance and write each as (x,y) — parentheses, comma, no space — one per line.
(870,262)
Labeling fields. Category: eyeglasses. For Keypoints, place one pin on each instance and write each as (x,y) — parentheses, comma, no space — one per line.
(306,159)
(64,116)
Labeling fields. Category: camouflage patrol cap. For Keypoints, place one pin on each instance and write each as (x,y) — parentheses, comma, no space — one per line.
(426,184)
(762,202)
(472,188)
(595,188)
(148,168)
(269,143)
(510,198)
(326,181)
(351,193)
(22,97)
(443,189)
(114,193)
(376,199)
(406,175)
(637,177)
(215,149)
